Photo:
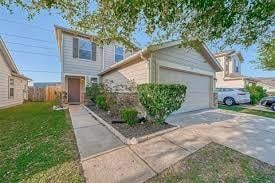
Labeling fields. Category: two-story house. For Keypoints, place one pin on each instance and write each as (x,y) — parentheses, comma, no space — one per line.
(231,76)
(82,62)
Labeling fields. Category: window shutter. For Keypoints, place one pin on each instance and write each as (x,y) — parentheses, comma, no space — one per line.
(75,48)
(93,51)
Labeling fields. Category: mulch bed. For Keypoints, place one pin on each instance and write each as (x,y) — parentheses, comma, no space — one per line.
(137,130)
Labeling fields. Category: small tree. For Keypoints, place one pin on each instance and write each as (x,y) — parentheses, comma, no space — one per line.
(256,93)
(160,100)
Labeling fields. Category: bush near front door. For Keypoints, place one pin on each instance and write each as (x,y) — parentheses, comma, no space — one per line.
(160,100)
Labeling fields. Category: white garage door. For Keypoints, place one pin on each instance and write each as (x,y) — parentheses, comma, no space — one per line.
(197,95)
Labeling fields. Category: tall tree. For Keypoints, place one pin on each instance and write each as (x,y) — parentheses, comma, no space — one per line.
(266,56)
(242,22)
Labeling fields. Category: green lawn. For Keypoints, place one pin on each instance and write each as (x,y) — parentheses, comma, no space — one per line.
(217,163)
(248,111)
(37,145)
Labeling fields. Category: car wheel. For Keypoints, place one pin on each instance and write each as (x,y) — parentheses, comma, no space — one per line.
(229,101)
(273,107)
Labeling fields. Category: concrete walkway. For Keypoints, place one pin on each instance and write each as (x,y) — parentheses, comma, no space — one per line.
(137,163)
(92,137)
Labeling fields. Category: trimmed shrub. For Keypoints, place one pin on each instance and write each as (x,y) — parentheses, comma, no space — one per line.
(93,90)
(160,100)
(101,102)
(256,93)
(129,115)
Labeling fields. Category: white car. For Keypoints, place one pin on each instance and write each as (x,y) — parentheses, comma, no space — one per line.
(231,96)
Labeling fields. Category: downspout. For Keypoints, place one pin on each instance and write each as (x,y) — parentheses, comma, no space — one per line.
(103,59)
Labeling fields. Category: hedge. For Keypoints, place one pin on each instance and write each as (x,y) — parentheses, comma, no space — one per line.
(160,100)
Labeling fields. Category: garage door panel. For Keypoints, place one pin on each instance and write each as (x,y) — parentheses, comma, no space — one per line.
(197,94)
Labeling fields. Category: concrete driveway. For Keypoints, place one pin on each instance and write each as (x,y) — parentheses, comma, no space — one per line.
(248,134)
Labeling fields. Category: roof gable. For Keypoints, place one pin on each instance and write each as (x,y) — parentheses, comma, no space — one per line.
(8,59)
(145,53)
(206,53)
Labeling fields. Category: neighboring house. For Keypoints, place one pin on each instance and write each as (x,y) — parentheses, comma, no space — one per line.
(231,76)
(13,85)
(268,84)
(82,62)
(45,84)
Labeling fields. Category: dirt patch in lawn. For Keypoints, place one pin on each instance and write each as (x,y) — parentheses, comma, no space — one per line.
(217,163)
(137,130)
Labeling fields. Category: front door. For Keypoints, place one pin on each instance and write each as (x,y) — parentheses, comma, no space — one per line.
(73,90)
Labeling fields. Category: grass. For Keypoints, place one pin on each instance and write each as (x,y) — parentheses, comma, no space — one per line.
(217,163)
(248,111)
(37,145)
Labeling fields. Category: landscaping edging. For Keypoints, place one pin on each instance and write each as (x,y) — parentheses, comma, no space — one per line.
(124,139)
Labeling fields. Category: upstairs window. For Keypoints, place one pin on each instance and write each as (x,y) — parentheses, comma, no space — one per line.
(119,53)
(84,49)
(236,64)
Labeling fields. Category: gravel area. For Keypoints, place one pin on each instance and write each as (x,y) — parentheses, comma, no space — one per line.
(137,130)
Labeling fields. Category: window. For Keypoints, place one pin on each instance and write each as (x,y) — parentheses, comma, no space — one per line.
(85,49)
(236,64)
(93,80)
(11,87)
(119,53)
(228,89)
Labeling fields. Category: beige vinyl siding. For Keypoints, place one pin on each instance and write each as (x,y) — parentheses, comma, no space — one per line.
(221,83)
(87,67)
(19,86)
(109,55)
(79,66)
(137,71)
(185,57)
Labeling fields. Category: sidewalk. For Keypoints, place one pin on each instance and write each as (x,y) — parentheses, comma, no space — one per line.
(91,136)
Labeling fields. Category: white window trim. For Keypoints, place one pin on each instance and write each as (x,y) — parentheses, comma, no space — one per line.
(123,54)
(11,86)
(85,50)
(236,63)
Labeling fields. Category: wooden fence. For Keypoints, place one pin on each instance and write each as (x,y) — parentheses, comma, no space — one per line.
(43,94)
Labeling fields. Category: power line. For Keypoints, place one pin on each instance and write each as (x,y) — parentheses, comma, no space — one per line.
(27,24)
(51,72)
(36,53)
(25,37)
(47,48)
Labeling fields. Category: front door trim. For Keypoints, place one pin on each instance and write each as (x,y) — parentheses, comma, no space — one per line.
(74,77)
